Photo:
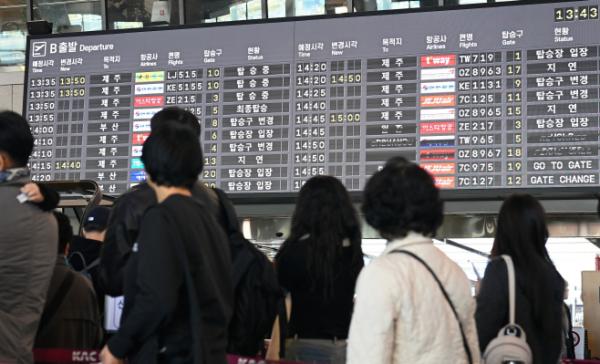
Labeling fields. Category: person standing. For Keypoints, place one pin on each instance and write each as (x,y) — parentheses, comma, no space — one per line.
(318,264)
(522,234)
(28,242)
(71,318)
(84,251)
(401,314)
(178,279)
(126,215)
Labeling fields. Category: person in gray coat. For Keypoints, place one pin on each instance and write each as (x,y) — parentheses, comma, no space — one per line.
(28,242)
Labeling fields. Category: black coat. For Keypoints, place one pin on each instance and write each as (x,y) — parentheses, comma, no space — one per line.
(492,312)
(124,226)
(164,311)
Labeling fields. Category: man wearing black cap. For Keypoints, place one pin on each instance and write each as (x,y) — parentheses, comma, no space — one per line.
(84,254)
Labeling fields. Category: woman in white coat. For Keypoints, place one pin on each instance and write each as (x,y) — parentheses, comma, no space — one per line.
(401,314)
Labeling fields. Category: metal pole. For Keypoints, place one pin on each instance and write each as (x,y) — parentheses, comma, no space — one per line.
(466,248)
(29,10)
(264,6)
(103,13)
(181,12)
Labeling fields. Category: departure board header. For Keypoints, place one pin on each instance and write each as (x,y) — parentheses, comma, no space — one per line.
(484,98)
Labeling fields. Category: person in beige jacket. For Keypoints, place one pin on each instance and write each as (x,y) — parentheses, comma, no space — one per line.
(400,312)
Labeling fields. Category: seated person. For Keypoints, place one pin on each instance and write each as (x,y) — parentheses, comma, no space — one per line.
(71,318)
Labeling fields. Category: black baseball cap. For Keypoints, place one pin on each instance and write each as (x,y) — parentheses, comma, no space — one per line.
(96,219)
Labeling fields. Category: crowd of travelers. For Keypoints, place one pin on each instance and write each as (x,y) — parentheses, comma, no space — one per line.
(195,289)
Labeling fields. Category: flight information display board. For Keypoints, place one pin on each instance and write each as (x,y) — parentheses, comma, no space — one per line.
(484,98)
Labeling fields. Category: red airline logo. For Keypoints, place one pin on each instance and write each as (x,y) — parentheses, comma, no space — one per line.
(437,127)
(148,101)
(445,182)
(438,101)
(439,168)
(139,138)
(442,60)
(437,154)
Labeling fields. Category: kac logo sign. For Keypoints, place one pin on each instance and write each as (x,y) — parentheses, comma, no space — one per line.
(85,357)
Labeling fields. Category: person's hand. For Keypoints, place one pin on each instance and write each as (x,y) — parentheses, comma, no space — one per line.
(106,357)
(32,190)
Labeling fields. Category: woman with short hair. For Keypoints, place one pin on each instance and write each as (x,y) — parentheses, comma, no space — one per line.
(401,314)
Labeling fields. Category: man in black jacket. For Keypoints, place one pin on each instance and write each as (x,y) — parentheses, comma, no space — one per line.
(127,212)
(178,279)
(84,251)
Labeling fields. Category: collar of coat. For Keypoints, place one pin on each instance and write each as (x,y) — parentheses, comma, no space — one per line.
(412,238)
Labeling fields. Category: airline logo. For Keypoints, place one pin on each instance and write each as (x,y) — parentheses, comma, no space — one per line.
(139,138)
(439,168)
(150,89)
(437,155)
(141,114)
(438,60)
(156,76)
(444,182)
(141,126)
(148,101)
(433,74)
(438,101)
(437,87)
(438,114)
(137,176)
(439,127)
(136,163)
(136,151)
(437,141)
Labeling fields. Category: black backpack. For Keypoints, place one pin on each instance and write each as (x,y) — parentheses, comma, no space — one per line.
(257,294)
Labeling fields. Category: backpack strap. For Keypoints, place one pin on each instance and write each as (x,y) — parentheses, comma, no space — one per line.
(77,254)
(231,222)
(54,303)
(446,296)
(510,268)
(283,326)
(93,264)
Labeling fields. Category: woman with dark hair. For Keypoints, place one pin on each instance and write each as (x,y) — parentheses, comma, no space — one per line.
(522,234)
(178,276)
(318,264)
(413,304)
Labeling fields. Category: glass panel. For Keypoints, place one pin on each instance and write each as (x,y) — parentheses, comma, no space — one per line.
(291,8)
(124,14)
(467,2)
(13,30)
(211,12)
(372,5)
(70,15)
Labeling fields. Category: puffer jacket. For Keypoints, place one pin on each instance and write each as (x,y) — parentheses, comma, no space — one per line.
(401,315)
